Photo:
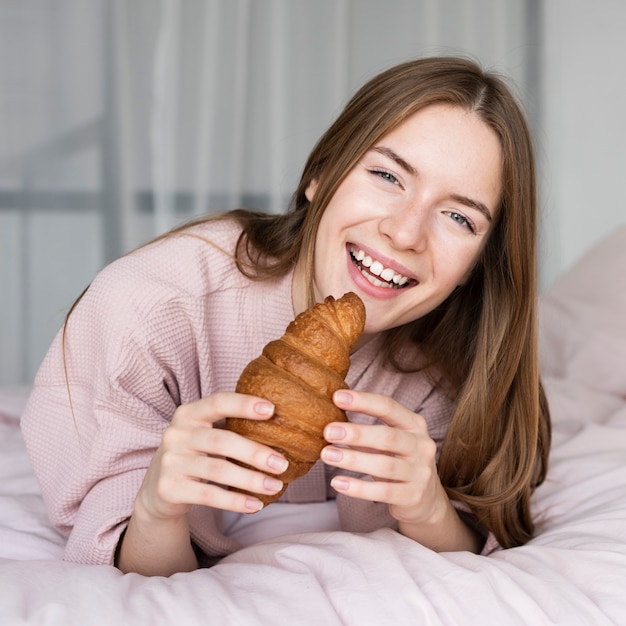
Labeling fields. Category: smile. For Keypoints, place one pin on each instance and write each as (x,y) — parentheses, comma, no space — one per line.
(376,273)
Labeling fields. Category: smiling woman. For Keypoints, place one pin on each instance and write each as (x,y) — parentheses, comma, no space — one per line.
(421,199)
(418,205)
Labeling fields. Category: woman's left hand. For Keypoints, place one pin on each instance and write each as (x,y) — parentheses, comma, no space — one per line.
(401,458)
(398,454)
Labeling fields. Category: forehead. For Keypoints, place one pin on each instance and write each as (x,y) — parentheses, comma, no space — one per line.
(453,145)
(441,119)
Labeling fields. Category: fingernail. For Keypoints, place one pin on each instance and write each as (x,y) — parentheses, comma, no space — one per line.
(253,504)
(334,433)
(272,484)
(342,397)
(339,483)
(277,463)
(332,454)
(264,408)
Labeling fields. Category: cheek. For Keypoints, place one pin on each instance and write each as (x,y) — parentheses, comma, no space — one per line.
(456,265)
(465,277)
(332,223)
(323,236)
(326,243)
(470,264)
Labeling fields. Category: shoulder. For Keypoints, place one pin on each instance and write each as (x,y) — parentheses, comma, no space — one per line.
(192,259)
(162,286)
(165,313)
(190,263)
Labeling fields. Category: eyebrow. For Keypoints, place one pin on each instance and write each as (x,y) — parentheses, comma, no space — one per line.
(407,167)
(472,204)
(388,152)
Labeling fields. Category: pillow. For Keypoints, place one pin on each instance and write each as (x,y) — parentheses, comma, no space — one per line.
(583,320)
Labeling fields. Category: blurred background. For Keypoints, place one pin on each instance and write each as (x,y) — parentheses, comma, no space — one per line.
(122,118)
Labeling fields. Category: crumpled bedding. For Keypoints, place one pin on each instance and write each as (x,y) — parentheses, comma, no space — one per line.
(573,572)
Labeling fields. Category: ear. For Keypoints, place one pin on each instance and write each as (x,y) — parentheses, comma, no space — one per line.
(310,190)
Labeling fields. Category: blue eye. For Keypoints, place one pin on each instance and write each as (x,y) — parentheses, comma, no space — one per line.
(386,176)
(462,220)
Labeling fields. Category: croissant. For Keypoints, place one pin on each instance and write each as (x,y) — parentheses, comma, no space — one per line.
(299,373)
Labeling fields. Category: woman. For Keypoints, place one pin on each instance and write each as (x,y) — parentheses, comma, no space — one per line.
(421,198)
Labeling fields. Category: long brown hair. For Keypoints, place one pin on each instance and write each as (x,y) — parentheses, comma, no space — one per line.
(483,338)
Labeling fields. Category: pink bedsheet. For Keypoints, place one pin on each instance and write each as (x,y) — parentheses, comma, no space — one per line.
(573,572)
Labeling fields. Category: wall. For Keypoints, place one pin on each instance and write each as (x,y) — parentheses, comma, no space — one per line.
(77,161)
(583,129)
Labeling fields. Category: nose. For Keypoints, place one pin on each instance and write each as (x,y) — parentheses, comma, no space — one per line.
(406,227)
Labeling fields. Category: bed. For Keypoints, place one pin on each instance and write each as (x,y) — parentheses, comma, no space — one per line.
(572,572)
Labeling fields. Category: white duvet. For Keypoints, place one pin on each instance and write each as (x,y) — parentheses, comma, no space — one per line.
(573,572)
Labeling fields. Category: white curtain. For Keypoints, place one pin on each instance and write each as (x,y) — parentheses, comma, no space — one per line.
(225,98)
(122,118)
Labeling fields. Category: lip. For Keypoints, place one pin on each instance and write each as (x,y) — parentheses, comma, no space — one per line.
(385,260)
(364,285)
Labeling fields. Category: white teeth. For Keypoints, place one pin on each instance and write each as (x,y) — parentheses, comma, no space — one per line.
(378,283)
(376,268)
(388,276)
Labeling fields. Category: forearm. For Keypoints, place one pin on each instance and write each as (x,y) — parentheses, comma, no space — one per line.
(156,548)
(446,532)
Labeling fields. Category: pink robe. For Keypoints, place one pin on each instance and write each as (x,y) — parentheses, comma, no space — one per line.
(166,325)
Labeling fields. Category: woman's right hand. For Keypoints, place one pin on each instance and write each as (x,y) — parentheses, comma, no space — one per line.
(192,465)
